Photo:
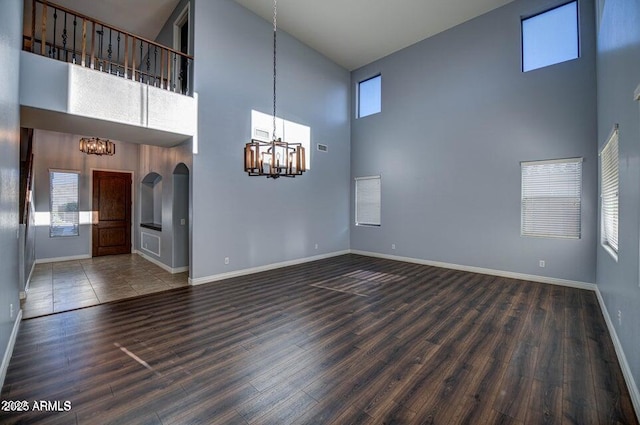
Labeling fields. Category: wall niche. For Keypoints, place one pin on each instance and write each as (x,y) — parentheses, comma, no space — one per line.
(151,202)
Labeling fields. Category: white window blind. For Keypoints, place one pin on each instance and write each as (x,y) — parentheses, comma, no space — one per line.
(368,201)
(551,198)
(609,192)
(65,216)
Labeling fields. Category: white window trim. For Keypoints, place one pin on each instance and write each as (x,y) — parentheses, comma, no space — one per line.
(612,141)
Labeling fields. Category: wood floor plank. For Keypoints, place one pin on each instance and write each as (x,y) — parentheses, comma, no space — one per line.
(480,390)
(349,339)
(545,406)
(579,397)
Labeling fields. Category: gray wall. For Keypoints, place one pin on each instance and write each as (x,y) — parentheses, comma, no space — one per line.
(165,36)
(60,151)
(458,116)
(163,161)
(180,240)
(10,44)
(618,61)
(257,221)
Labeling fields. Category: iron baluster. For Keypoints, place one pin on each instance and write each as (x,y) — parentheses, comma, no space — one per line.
(174,67)
(140,60)
(148,61)
(109,51)
(181,75)
(155,63)
(118,59)
(75,24)
(52,48)
(100,33)
(187,76)
(64,37)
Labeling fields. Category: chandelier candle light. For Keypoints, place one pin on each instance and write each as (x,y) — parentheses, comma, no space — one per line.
(96,146)
(276,158)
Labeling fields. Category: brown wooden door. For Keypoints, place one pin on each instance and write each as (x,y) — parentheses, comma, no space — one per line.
(111,213)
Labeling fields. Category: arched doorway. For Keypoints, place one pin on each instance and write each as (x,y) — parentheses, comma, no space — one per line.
(181,217)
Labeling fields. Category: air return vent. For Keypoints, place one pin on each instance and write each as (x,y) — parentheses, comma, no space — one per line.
(261,134)
(323,148)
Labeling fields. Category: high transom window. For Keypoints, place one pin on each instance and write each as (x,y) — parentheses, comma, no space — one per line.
(550,37)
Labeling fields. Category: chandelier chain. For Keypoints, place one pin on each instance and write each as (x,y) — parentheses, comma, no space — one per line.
(275,26)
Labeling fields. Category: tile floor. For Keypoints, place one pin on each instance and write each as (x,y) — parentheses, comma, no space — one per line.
(68,285)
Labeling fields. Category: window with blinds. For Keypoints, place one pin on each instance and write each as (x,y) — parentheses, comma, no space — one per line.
(368,201)
(609,194)
(551,198)
(65,216)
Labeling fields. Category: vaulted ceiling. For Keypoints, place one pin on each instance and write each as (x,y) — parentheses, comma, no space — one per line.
(352,33)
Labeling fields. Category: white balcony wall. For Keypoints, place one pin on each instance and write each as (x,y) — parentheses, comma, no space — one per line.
(69,98)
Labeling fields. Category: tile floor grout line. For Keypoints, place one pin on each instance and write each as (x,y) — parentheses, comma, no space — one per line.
(120,278)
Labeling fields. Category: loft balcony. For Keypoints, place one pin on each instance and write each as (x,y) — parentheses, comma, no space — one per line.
(83,76)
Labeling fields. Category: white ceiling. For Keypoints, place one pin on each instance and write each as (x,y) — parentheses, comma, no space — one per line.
(141,17)
(352,33)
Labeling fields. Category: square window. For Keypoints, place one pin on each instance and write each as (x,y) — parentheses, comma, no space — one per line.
(369,96)
(550,37)
(551,198)
(368,201)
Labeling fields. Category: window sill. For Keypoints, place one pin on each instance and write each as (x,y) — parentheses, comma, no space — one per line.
(610,251)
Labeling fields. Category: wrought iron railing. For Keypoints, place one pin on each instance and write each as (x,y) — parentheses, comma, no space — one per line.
(63,34)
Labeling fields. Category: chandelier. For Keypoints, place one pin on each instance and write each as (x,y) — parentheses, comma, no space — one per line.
(96,146)
(276,158)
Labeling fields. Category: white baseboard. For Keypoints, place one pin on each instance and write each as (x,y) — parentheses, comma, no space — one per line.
(9,351)
(481,270)
(252,270)
(58,259)
(622,359)
(172,270)
(180,269)
(624,365)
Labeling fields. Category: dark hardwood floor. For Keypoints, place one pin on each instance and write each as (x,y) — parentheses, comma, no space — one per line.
(346,340)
